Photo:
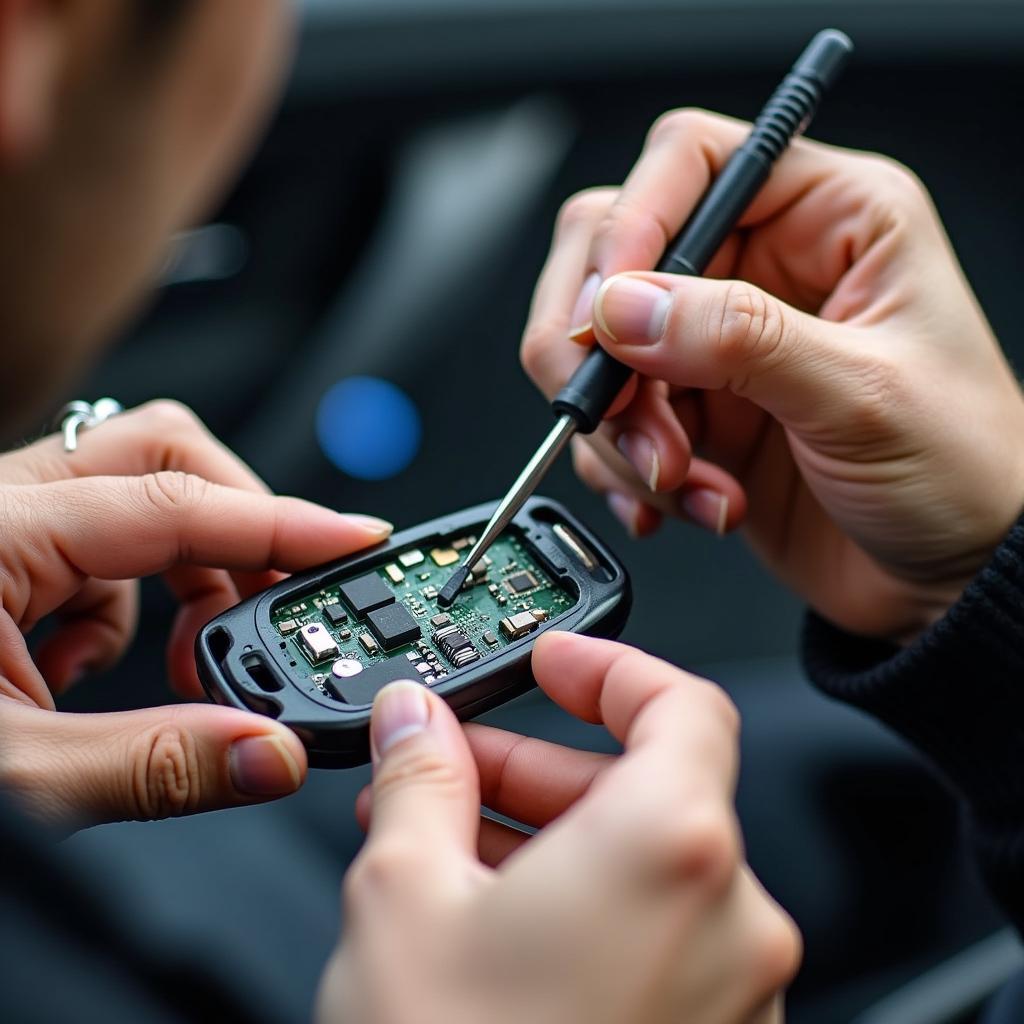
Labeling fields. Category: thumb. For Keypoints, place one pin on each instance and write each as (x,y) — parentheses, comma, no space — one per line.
(85,769)
(710,334)
(426,790)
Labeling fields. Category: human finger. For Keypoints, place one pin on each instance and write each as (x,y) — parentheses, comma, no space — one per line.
(202,595)
(710,497)
(159,436)
(646,703)
(159,762)
(527,779)
(425,794)
(126,527)
(709,334)
(546,357)
(92,632)
(156,436)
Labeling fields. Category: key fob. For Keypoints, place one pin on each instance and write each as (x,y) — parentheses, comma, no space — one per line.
(314,650)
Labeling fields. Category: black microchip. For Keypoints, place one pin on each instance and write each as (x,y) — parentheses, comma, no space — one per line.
(393,626)
(365,593)
(520,581)
(362,688)
(335,614)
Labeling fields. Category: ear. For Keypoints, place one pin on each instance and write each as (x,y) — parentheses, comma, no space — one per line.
(29,71)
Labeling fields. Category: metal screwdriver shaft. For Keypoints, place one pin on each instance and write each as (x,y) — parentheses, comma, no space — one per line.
(525,485)
(586,398)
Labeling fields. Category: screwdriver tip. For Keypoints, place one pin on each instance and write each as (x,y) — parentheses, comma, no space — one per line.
(446,596)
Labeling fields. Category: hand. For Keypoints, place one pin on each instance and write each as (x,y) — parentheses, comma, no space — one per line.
(846,397)
(632,903)
(147,492)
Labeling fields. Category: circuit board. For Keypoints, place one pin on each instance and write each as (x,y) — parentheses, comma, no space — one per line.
(351,638)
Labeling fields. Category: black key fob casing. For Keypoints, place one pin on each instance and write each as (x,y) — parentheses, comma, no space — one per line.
(312,651)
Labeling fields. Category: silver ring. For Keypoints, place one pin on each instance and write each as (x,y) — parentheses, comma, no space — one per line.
(80,415)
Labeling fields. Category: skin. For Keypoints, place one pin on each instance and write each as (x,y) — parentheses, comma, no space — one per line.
(651,913)
(106,148)
(153,138)
(832,386)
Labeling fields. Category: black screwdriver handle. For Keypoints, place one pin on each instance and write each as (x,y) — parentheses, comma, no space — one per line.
(599,378)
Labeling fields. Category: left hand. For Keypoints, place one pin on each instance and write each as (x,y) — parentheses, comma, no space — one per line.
(147,492)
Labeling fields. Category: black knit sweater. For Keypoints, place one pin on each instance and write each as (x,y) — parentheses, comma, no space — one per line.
(957,694)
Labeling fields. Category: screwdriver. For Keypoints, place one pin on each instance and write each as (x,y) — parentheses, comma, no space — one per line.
(586,398)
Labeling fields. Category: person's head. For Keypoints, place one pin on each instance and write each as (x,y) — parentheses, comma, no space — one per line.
(120,122)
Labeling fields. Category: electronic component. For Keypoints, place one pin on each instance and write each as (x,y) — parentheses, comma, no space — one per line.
(345,668)
(444,556)
(424,662)
(456,646)
(393,625)
(514,627)
(316,643)
(520,582)
(362,687)
(463,542)
(394,573)
(322,683)
(335,614)
(366,593)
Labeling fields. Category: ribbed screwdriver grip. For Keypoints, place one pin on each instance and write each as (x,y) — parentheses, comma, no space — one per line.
(786,114)
(599,378)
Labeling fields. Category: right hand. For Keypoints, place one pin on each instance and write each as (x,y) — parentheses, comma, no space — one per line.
(632,904)
(850,404)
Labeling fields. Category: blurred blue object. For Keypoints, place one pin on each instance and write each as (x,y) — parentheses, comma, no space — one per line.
(368,428)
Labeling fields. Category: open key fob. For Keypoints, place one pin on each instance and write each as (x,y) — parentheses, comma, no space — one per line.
(314,650)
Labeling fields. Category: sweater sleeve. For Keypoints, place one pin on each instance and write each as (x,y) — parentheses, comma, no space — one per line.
(957,694)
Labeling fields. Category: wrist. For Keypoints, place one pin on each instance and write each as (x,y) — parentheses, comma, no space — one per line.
(954,691)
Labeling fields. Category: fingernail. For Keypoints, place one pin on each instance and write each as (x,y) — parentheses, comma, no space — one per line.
(399,711)
(632,311)
(626,510)
(583,314)
(263,766)
(641,454)
(707,508)
(370,523)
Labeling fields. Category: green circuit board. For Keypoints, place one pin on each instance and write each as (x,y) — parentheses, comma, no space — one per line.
(352,637)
